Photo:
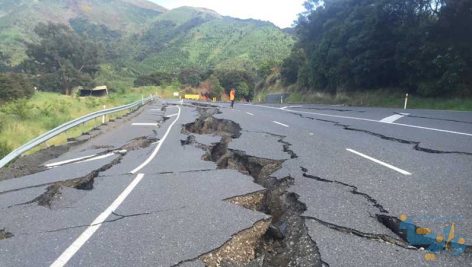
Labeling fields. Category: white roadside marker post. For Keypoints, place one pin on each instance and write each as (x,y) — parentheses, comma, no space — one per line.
(103,117)
(406,101)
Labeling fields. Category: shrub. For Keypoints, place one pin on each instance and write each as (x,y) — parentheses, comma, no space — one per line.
(19,108)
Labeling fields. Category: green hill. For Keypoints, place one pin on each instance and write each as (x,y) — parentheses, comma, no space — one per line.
(194,37)
(140,37)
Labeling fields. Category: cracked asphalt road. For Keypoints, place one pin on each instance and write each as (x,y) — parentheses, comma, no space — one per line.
(177,212)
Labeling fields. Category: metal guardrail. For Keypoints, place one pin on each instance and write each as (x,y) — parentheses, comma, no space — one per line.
(66,126)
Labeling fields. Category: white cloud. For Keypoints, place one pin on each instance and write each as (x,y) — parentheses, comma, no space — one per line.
(280,12)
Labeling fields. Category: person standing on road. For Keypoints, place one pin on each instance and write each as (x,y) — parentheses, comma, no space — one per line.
(232,96)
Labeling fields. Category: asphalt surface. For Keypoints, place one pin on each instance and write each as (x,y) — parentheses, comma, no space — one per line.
(160,203)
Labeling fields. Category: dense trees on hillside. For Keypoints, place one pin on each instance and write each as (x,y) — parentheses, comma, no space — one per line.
(4,62)
(157,78)
(105,38)
(421,46)
(13,86)
(191,76)
(62,59)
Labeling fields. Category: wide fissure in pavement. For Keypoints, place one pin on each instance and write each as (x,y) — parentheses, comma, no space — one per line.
(207,124)
(286,241)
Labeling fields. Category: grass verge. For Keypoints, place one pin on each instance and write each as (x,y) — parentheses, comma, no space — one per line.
(24,119)
(382,99)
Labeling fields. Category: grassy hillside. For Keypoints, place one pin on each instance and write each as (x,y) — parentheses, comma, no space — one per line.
(140,37)
(19,17)
(186,37)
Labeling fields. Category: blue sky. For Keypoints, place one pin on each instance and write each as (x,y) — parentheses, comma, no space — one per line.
(280,12)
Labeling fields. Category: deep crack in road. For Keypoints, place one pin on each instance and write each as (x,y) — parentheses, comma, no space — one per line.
(232,188)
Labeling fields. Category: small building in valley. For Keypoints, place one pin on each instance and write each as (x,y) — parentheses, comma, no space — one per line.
(97,91)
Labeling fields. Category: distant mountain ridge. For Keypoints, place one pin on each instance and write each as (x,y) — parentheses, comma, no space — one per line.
(19,17)
(146,37)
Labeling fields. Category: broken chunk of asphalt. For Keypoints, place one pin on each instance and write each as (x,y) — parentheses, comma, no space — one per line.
(53,192)
(4,234)
(139,143)
(207,124)
(416,144)
(286,241)
(378,237)
(86,182)
(286,145)
(353,189)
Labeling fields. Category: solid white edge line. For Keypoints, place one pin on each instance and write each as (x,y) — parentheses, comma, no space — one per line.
(158,147)
(249,113)
(144,124)
(393,118)
(93,227)
(173,115)
(329,115)
(98,157)
(431,129)
(379,162)
(283,108)
(260,106)
(68,161)
(279,123)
